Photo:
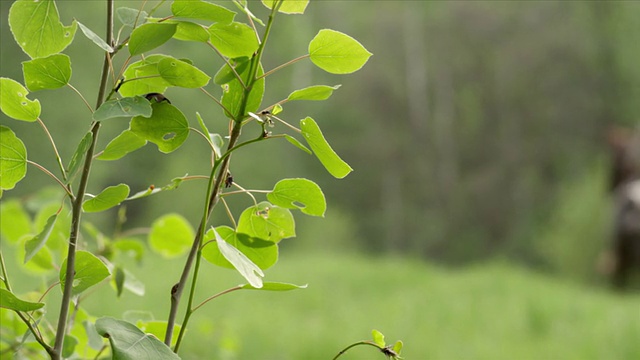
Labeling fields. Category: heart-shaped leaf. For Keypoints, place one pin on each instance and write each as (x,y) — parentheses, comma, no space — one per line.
(167,127)
(267,222)
(51,72)
(337,53)
(300,194)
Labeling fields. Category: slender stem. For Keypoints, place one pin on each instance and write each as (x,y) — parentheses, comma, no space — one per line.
(215,296)
(192,290)
(248,193)
(245,191)
(5,276)
(81,97)
(229,214)
(77,203)
(44,170)
(283,65)
(228,64)
(55,149)
(216,100)
(205,137)
(365,342)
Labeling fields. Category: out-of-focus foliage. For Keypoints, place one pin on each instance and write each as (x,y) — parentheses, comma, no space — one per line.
(472,129)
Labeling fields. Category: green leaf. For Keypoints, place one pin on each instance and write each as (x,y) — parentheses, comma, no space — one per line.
(9,301)
(289,6)
(130,343)
(188,31)
(397,347)
(323,151)
(234,40)
(143,77)
(69,346)
(37,28)
(297,143)
(149,36)
(317,92)
(154,190)
(171,235)
(78,155)
(125,107)
(108,198)
(131,247)
(14,102)
(204,128)
(89,271)
(129,16)
(262,253)
(337,53)
(233,93)
(300,194)
(95,38)
(202,10)
(51,72)
(250,271)
(378,338)
(180,73)
(121,145)
(226,74)
(33,245)
(267,222)
(167,127)
(13,159)
(14,220)
(274,286)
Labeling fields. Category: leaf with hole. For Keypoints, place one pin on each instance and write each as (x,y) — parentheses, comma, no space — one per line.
(337,53)
(180,73)
(121,145)
(9,301)
(262,253)
(316,93)
(125,107)
(233,40)
(130,343)
(149,36)
(274,286)
(108,198)
(323,151)
(33,245)
(288,6)
(267,222)
(167,127)
(14,102)
(142,77)
(250,271)
(13,162)
(95,38)
(51,72)
(37,28)
(171,235)
(89,271)
(202,10)
(301,194)
(78,155)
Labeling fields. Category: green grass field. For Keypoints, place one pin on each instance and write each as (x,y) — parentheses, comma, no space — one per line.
(482,312)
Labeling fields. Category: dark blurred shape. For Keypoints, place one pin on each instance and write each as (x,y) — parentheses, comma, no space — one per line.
(625,148)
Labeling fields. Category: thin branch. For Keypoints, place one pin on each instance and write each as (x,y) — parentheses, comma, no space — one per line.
(81,97)
(229,214)
(365,342)
(216,100)
(205,137)
(228,64)
(247,192)
(283,66)
(53,177)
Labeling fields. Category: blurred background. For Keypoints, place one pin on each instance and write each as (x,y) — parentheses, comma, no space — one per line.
(479,208)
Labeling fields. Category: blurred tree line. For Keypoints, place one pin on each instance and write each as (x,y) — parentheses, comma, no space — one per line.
(476,130)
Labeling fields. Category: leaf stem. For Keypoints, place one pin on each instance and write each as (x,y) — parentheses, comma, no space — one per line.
(283,65)
(44,170)
(204,136)
(216,100)
(81,97)
(215,296)
(364,342)
(55,149)
(228,64)
(77,203)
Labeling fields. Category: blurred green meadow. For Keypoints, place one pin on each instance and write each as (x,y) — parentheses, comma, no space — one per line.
(483,311)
